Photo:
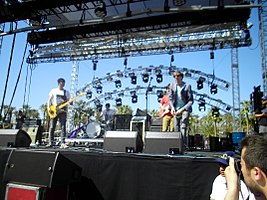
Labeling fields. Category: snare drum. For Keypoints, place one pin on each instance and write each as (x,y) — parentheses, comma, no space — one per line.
(93,130)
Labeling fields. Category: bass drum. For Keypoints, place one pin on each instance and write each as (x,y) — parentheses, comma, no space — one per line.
(93,130)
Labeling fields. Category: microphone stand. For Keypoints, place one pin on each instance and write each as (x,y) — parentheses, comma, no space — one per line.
(147,90)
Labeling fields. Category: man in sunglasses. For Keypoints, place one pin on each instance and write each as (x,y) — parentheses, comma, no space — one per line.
(181,100)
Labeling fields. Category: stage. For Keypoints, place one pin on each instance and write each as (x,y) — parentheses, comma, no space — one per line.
(118,176)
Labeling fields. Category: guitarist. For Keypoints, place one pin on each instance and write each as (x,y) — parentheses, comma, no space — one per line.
(165,112)
(58,96)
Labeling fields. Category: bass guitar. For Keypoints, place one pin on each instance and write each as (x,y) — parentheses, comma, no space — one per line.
(56,109)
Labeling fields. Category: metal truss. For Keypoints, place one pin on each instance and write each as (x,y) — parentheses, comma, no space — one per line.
(263,39)
(237,126)
(175,40)
(155,70)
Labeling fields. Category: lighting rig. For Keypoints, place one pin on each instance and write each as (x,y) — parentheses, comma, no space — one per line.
(134,92)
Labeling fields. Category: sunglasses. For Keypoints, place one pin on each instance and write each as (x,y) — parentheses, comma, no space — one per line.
(176,76)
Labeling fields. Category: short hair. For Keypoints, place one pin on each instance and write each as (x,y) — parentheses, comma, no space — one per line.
(178,73)
(61,80)
(256,152)
(107,105)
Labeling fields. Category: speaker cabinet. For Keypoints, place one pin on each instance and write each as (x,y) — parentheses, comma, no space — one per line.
(163,143)
(14,138)
(121,141)
(40,168)
(122,122)
(32,131)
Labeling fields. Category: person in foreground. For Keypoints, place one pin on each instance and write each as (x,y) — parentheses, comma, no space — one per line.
(219,186)
(58,97)
(253,167)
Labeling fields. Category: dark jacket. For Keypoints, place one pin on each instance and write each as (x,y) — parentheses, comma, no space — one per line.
(186,95)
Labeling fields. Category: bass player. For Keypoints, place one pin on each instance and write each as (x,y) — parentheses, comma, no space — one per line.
(58,96)
(165,112)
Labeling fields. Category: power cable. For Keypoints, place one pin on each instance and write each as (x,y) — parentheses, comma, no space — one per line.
(8,72)
(16,85)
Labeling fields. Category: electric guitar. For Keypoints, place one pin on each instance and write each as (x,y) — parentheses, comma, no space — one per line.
(164,110)
(56,109)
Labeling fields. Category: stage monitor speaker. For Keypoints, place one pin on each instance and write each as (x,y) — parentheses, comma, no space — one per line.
(14,138)
(163,143)
(121,141)
(40,168)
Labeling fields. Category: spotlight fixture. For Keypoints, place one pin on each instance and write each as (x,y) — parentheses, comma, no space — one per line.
(213,89)
(200,82)
(109,77)
(99,89)
(212,55)
(228,108)
(118,83)
(133,78)
(179,2)
(202,106)
(94,64)
(145,77)
(159,77)
(118,101)
(101,10)
(134,96)
(215,112)
(89,95)
(160,95)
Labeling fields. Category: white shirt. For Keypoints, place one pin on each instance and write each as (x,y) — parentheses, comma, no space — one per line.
(219,190)
(108,115)
(58,96)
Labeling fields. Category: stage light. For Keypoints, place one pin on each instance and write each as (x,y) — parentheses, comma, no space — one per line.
(215,112)
(99,89)
(94,64)
(187,74)
(109,77)
(89,95)
(179,2)
(134,96)
(133,78)
(172,58)
(118,83)
(228,108)
(159,95)
(212,55)
(101,10)
(171,70)
(118,101)
(159,77)
(200,82)
(247,35)
(121,94)
(213,89)
(202,106)
(145,77)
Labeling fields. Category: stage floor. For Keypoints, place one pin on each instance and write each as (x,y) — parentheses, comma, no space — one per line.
(119,176)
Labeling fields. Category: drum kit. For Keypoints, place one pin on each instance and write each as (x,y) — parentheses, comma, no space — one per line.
(91,130)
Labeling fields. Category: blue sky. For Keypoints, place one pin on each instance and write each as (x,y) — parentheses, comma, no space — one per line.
(44,76)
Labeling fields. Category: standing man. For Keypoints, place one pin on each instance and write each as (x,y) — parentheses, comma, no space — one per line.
(57,97)
(108,117)
(262,117)
(165,112)
(181,101)
(253,167)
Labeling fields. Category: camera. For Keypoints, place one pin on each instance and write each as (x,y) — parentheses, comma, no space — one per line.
(237,166)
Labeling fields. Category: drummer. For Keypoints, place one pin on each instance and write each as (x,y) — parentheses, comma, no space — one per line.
(108,117)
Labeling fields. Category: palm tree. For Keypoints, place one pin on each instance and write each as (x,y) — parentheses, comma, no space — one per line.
(46,119)
(245,111)
(124,109)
